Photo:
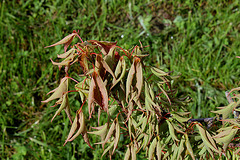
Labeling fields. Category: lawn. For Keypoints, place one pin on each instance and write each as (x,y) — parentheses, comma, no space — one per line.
(197,39)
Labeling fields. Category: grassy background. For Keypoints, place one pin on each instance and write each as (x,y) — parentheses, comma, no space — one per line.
(200,40)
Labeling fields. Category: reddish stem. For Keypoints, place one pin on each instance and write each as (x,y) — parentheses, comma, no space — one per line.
(71,91)
(80,38)
(150,76)
(72,79)
(133,50)
(84,82)
(124,51)
(80,48)
(82,106)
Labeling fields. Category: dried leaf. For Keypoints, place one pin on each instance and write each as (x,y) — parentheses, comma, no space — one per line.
(67,111)
(74,127)
(91,99)
(66,61)
(105,66)
(101,97)
(84,63)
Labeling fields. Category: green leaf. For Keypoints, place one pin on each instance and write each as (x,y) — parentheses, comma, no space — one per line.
(145,141)
(159,150)
(152,148)
(66,41)
(108,148)
(130,77)
(59,91)
(180,118)
(66,54)
(97,93)
(139,77)
(74,127)
(226,111)
(121,68)
(127,154)
(110,132)
(181,148)
(158,72)
(227,138)
(64,105)
(207,140)
(117,135)
(133,152)
(189,147)
(81,122)
(171,130)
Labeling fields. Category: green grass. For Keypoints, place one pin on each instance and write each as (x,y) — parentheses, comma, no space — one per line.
(200,40)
